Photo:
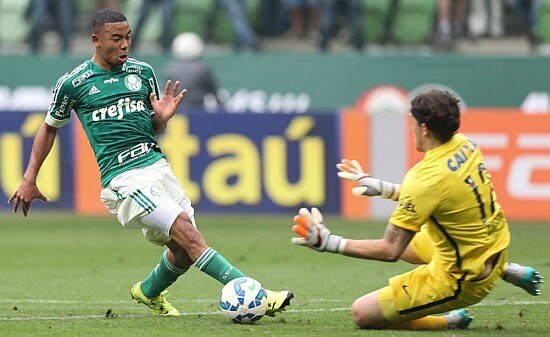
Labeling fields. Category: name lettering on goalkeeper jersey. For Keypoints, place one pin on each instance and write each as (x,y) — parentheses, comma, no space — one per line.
(461,156)
(116,111)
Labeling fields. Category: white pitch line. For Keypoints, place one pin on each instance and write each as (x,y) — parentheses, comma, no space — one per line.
(45,318)
(503,303)
(485,303)
(205,300)
(197,300)
(132,316)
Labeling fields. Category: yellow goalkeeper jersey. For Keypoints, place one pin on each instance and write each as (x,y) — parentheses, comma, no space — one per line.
(451,191)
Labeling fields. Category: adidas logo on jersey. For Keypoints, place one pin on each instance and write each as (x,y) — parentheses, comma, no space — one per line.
(94,90)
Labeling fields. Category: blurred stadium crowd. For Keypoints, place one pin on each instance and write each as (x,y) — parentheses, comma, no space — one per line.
(289,25)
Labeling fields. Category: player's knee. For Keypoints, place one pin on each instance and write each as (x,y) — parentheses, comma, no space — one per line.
(359,315)
(363,317)
(185,233)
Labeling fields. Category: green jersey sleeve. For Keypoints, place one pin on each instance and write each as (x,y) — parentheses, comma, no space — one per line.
(152,86)
(63,101)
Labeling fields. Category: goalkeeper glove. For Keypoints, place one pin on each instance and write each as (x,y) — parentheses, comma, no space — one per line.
(313,234)
(370,187)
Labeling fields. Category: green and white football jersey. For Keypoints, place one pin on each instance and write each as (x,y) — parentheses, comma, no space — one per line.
(115,111)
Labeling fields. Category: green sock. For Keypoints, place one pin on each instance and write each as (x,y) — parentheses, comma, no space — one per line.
(215,265)
(161,277)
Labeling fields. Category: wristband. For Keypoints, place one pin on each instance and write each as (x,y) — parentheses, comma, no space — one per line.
(336,244)
(389,190)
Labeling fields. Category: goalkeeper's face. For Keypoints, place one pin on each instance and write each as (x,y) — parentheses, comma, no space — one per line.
(113,43)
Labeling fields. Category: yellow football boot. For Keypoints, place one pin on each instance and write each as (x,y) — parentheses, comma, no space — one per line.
(158,305)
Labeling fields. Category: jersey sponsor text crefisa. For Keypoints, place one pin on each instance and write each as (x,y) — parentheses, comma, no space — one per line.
(116,111)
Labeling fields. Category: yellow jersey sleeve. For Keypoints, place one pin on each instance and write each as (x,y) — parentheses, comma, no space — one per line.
(419,196)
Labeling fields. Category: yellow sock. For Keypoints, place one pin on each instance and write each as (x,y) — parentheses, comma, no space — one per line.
(424,323)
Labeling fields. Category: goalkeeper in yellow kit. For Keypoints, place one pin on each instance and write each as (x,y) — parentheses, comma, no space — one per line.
(447,219)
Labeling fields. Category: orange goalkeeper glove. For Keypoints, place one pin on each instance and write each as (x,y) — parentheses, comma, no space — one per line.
(313,234)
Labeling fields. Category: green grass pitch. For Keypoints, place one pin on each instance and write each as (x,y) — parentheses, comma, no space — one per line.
(62,274)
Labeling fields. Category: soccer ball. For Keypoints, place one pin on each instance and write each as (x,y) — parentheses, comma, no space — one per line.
(243,300)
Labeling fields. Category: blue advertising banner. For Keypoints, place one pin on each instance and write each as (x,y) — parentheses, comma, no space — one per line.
(56,178)
(257,163)
(226,162)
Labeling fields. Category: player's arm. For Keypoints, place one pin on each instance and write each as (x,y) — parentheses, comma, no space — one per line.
(166,106)
(28,190)
(314,234)
(389,248)
(369,186)
(159,124)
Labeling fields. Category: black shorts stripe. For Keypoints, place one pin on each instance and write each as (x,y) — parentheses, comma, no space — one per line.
(438,302)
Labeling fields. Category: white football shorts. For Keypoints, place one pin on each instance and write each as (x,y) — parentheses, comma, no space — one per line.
(149,198)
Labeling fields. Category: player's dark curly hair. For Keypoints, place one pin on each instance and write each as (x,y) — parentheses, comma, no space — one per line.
(440,111)
(106,15)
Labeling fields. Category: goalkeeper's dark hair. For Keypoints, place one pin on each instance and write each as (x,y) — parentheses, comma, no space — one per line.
(440,111)
(106,15)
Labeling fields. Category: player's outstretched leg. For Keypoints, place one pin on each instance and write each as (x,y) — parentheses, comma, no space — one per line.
(215,265)
(152,291)
(457,319)
(524,277)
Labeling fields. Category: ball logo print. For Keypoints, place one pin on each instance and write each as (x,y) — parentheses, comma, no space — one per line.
(132,82)
(243,300)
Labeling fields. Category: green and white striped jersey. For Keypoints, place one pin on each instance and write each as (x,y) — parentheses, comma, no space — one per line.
(115,111)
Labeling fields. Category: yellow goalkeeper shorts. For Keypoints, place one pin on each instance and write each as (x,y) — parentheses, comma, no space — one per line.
(426,290)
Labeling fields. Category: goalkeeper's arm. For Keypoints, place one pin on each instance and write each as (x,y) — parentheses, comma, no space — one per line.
(314,234)
(389,248)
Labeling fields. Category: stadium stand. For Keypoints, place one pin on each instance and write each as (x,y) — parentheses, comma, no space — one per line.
(152,27)
(376,16)
(392,23)
(542,28)
(14,26)
(414,21)
(192,16)
(222,29)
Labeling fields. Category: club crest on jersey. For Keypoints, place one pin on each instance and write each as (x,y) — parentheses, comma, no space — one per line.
(132,82)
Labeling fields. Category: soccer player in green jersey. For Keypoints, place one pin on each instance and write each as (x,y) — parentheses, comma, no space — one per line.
(117,101)
(447,219)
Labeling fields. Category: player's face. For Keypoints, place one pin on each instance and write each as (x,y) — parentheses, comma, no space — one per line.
(418,133)
(113,43)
